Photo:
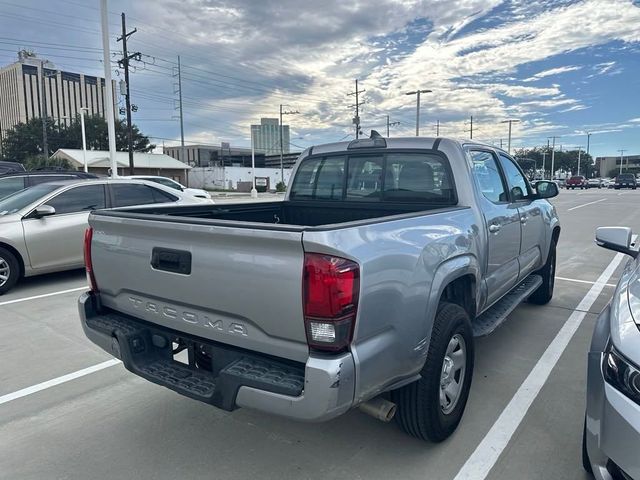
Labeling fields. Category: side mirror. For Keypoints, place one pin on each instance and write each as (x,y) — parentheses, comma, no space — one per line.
(546,189)
(44,211)
(617,239)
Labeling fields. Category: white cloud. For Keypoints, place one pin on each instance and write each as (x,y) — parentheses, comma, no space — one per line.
(552,71)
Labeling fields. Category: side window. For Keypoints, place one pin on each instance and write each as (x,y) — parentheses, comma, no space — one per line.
(162,197)
(126,195)
(365,178)
(11,185)
(79,199)
(517,183)
(487,176)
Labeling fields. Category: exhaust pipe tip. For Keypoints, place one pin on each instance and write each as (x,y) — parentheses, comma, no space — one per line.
(379,408)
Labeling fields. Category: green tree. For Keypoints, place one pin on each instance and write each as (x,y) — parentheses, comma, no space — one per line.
(25,139)
(566,161)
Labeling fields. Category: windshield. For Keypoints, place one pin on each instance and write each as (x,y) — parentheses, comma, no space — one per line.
(626,176)
(20,200)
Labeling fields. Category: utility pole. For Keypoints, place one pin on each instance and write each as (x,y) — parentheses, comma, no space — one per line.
(471,129)
(553,154)
(417,94)
(621,158)
(356,119)
(390,124)
(288,112)
(106,61)
(179,92)
(437,128)
(124,63)
(510,121)
(544,158)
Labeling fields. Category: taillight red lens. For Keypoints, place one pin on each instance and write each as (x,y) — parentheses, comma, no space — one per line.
(331,287)
(88,264)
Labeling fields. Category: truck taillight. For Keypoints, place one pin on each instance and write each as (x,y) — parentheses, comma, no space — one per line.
(88,264)
(330,299)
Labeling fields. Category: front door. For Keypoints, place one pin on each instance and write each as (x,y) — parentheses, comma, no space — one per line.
(531,219)
(502,223)
(56,241)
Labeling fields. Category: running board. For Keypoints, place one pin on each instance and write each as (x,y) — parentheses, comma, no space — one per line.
(498,313)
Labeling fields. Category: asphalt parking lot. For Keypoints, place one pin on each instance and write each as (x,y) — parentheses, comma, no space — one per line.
(520,421)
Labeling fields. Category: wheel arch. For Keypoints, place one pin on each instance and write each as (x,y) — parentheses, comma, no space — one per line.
(16,254)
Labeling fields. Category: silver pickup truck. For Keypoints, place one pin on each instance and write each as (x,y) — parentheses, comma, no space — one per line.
(364,288)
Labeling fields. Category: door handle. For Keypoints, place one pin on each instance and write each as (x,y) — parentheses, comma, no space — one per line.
(523,219)
(494,228)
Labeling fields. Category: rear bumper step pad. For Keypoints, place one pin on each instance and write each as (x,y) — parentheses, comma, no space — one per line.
(147,351)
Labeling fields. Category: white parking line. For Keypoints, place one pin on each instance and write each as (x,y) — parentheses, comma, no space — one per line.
(585,204)
(44,295)
(486,454)
(583,281)
(57,381)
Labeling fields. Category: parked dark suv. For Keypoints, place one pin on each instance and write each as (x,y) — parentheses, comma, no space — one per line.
(14,182)
(625,180)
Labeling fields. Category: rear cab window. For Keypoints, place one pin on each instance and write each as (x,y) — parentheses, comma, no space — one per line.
(401,177)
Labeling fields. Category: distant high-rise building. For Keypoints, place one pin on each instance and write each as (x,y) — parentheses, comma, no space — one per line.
(266,136)
(64,93)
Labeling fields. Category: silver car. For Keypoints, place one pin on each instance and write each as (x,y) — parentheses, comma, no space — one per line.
(42,227)
(611,439)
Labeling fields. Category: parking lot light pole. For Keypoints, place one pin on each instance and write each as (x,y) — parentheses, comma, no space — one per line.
(621,159)
(254,192)
(84,139)
(579,151)
(417,94)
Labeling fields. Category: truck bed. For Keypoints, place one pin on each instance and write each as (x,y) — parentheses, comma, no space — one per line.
(285,215)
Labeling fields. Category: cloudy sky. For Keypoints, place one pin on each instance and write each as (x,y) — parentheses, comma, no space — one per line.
(560,67)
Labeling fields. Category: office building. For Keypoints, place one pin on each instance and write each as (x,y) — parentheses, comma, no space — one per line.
(610,166)
(266,136)
(214,155)
(64,93)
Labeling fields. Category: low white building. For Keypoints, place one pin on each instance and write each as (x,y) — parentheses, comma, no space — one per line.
(98,162)
(236,178)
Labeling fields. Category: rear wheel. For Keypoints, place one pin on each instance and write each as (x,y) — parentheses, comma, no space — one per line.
(432,407)
(544,293)
(9,270)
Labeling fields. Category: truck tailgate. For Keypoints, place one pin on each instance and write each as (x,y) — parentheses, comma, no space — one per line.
(242,286)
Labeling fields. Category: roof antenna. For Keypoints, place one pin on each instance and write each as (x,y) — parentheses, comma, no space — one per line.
(375,134)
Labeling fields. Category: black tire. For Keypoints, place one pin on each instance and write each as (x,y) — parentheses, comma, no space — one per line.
(586,463)
(9,262)
(419,411)
(544,293)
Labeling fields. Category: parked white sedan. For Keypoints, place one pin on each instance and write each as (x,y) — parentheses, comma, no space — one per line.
(42,227)
(168,182)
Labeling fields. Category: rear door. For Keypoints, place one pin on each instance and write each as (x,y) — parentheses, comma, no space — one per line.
(56,241)
(502,222)
(531,219)
(131,194)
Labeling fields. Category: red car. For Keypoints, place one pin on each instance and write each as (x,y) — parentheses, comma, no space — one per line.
(577,181)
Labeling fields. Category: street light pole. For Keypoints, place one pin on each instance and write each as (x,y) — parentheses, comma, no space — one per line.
(544,158)
(553,155)
(254,192)
(621,158)
(108,90)
(579,151)
(84,138)
(417,94)
(510,122)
